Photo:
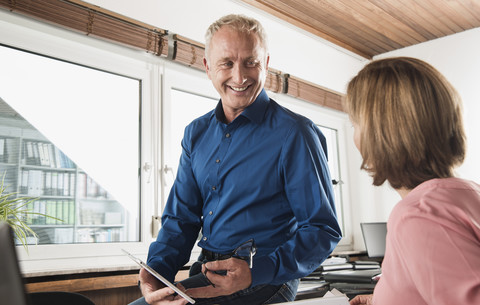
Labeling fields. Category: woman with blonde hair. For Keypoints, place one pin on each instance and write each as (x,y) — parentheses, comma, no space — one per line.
(409,130)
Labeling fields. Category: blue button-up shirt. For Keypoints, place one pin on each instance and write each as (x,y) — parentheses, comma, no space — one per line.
(263,176)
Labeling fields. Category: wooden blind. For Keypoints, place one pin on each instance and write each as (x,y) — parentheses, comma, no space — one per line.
(98,22)
(188,52)
(93,21)
(275,81)
(313,93)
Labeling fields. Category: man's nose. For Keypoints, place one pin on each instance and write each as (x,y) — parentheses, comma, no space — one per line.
(238,74)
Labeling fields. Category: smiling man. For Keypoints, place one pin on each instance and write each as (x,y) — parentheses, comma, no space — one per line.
(237,65)
(253,180)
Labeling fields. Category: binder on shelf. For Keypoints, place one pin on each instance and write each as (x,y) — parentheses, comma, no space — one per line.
(54,183)
(51,152)
(58,161)
(82,185)
(24,181)
(41,208)
(66,212)
(2,149)
(61,160)
(50,210)
(30,155)
(59,191)
(66,184)
(11,150)
(29,216)
(71,189)
(34,183)
(59,213)
(23,153)
(48,183)
(36,210)
(46,154)
(36,154)
(41,153)
(71,211)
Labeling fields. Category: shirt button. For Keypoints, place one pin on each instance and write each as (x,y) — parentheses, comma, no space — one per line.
(204,238)
(217,161)
(210,213)
(227,135)
(214,188)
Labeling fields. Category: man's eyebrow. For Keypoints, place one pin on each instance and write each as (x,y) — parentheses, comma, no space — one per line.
(224,59)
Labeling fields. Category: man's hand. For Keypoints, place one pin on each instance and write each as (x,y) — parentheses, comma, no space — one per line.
(238,277)
(365,299)
(156,293)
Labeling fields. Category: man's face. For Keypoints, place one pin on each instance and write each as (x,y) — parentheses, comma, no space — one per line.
(237,65)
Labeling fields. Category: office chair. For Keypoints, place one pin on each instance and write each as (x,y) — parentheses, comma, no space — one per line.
(58,298)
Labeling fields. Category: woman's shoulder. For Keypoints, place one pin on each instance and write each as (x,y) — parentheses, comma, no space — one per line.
(451,202)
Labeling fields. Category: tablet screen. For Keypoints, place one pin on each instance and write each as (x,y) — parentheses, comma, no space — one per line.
(159,277)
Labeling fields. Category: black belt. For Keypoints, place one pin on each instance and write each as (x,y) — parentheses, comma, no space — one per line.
(212,256)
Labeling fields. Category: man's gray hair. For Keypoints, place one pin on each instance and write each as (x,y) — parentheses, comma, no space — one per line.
(240,23)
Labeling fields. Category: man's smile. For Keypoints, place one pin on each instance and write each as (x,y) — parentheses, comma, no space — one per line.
(238,89)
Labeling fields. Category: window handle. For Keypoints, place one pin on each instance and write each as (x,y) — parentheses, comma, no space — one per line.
(147,167)
(167,169)
(335,182)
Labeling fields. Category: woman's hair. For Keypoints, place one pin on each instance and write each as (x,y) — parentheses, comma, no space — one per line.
(410,119)
(240,23)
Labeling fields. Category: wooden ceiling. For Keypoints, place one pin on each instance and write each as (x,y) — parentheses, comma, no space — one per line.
(372,27)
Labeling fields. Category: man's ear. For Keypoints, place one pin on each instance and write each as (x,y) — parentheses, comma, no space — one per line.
(205,64)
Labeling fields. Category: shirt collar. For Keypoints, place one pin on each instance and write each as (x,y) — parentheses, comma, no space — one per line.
(255,112)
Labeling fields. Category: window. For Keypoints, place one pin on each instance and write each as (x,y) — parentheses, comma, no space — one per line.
(105,136)
(331,136)
(60,149)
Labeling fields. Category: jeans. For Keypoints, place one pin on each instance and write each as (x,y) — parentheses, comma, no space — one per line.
(259,295)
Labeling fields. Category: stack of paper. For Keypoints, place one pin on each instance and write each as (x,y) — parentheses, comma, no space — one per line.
(332,297)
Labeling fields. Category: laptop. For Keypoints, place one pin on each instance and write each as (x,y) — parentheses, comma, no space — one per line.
(12,289)
(374,236)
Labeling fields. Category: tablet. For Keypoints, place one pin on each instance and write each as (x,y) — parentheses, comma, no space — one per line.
(158,276)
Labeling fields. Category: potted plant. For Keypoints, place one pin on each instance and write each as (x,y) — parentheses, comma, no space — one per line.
(14,211)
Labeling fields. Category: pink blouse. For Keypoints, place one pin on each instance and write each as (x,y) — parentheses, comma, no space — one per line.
(433,246)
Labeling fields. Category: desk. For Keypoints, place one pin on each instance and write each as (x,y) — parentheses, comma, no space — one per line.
(103,288)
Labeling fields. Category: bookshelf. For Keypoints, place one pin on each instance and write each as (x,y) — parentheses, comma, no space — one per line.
(33,166)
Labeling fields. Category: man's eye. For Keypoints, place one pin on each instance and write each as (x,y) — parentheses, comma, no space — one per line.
(227,64)
(251,63)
